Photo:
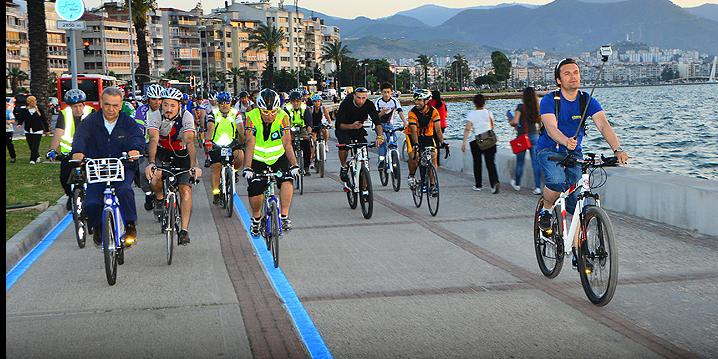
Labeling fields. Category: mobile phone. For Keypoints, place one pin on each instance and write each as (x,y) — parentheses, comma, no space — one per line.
(606,51)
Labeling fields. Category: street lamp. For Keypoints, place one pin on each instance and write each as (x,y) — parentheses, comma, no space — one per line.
(364,74)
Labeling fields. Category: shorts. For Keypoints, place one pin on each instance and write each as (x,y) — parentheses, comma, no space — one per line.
(424,141)
(256,186)
(347,137)
(557,177)
(179,159)
(214,154)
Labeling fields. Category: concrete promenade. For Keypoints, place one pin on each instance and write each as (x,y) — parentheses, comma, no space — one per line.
(463,284)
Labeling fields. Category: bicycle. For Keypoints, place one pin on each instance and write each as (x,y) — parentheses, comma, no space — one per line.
(428,182)
(596,241)
(359,173)
(171,217)
(271,224)
(299,154)
(108,170)
(226,179)
(320,150)
(78,188)
(391,166)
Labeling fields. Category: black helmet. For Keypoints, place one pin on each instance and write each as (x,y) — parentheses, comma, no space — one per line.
(268,99)
(243,94)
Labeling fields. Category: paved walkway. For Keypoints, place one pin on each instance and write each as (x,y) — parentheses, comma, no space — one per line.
(463,284)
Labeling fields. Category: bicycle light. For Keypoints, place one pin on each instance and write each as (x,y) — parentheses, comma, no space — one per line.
(108,201)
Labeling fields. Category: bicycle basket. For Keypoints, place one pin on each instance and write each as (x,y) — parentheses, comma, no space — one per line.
(105,170)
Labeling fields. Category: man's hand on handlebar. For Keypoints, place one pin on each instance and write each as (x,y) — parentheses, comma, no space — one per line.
(571,143)
(622,157)
(150,171)
(78,156)
(133,155)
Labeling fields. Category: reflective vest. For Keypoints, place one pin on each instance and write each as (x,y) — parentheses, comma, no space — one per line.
(296,116)
(66,139)
(225,127)
(267,151)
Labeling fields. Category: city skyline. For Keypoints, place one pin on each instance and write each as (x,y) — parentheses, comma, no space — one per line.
(370,8)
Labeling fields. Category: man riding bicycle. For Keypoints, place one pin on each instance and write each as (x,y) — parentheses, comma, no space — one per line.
(387,106)
(561,113)
(68,120)
(319,120)
(269,144)
(154,102)
(244,104)
(172,139)
(350,117)
(224,128)
(300,117)
(424,123)
(107,134)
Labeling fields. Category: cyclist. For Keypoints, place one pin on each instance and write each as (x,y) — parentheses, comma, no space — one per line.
(186,103)
(103,134)
(244,104)
(387,107)
(200,122)
(424,122)
(561,113)
(300,116)
(154,102)
(350,117)
(319,119)
(269,144)
(172,139)
(69,119)
(224,128)
(212,103)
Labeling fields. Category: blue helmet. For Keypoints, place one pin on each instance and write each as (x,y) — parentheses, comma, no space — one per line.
(75,96)
(295,95)
(224,97)
(316,97)
(185,97)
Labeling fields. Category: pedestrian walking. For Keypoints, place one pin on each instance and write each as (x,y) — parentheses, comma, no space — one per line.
(35,124)
(440,106)
(480,123)
(9,131)
(526,120)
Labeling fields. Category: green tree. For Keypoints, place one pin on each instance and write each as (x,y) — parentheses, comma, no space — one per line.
(174,74)
(668,74)
(140,9)
(403,81)
(424,61)
(267,38)
(458,70)
(348,71)
(37,40)
(488,79)
(235,72)
(16,76)
(247,76)
(335,52)
(502,66)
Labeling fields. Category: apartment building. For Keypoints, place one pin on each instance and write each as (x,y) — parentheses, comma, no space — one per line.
(109,46)
(17,51)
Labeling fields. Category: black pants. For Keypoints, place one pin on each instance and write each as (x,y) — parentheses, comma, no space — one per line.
(9,145)
(65,172)
(490,156)
(306,152)
(33,141)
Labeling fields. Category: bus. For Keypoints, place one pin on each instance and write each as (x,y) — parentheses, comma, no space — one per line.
(91,84)
(182,86)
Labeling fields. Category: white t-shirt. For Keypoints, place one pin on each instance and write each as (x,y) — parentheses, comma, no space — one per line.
(480,120)
(393,105)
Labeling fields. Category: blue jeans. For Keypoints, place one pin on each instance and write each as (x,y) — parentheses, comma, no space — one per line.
(126,196)
(557,177)
(383,147)
(520,159)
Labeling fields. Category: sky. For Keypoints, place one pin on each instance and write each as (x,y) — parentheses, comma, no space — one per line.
(369,8)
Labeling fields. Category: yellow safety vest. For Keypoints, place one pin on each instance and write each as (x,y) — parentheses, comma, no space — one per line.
(225,128)
(270,150)
(296,115)
(66,139)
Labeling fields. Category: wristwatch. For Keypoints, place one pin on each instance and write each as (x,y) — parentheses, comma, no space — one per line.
(619,149)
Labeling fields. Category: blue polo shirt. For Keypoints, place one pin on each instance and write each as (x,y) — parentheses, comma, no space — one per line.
(568,119)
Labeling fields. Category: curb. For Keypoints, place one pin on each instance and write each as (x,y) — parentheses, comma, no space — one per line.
(24,241)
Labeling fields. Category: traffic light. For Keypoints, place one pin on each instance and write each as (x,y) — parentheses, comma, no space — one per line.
(87,44)
(191,81)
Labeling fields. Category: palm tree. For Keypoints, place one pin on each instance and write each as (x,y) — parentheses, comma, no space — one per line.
(16,76)
(140,9)
(235,72)
(247,76)
(335,52)
(268,38)
(424,61)
(37,36)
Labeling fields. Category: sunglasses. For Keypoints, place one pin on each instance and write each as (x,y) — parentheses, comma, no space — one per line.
(268,112)
(361,90)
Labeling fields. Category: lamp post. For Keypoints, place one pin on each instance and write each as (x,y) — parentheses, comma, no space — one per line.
(132,55)
(365,74)
(201,72)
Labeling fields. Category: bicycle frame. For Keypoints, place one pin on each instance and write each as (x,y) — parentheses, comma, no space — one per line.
(359,156)
(583,185)
(269,198)
(392,146)
(113,203)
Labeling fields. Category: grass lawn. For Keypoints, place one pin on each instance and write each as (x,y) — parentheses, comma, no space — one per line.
(29,184)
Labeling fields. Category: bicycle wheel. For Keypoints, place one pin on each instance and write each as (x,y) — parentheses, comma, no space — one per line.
(384,174)
(396,171)
(274,233)
(170,227)
(404,152)
(229,190)
(78,217)
(299,180)
(321,158)
(109,247)
(432,193)
(366,194)
(352,196)
(416,192)
(598,256)
(549,252)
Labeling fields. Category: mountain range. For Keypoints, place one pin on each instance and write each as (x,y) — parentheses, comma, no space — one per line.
(562,26)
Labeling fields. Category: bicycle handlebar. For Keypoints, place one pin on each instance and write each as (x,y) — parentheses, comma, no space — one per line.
(357,145)
(589,161)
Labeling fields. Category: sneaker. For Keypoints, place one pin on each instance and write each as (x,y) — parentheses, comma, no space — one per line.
(545,219)
(495,189)
(574,258)
(475,188)
(12,160)
(68,204)
(149,202)
(411,180)
(130,234)
(207,162)
(159,207)
(97,237)
(344,174)
(32,162)
(515,186)
(537,191)
(307,172)
(183,237)
(311,166)
(216,199)
(286,223)
(254,228)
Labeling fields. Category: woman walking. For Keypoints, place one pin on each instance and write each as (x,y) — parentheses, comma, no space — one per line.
(9,130)
(526,120)
(480,122)
(35,125)
(440,106)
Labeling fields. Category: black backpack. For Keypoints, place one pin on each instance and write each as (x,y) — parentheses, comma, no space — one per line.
(582,103)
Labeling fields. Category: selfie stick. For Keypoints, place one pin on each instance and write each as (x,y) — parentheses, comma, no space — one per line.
(604,59)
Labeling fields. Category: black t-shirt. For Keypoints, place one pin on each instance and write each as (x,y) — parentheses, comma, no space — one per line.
(524,124)
(349,113)
(61,122)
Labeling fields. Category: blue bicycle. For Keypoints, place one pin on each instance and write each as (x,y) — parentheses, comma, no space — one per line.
(271,225)
(108,170)
(389,166)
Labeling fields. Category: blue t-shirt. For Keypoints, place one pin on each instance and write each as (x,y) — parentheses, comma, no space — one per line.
(568,119)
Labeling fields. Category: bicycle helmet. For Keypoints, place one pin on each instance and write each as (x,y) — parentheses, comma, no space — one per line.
(243,94)
(224,97)
(422,94)
(268,99)
(154,91)
(185,97)
(316,97)
(172,93)
(75,96)
(212,97)
(295,95)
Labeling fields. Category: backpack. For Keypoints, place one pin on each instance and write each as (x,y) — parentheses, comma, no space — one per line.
(582,103)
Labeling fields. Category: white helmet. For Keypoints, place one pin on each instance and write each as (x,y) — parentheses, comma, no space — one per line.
(172,93)
(154,91)
(268,99)
(422,94)
(212,96)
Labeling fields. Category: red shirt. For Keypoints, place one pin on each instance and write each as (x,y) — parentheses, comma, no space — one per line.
(442,111)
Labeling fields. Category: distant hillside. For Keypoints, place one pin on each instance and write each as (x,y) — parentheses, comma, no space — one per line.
(706,11)
(434,15)
(374,47)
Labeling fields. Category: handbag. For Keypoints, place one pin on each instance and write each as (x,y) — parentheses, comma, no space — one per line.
(520,144)
(486,140)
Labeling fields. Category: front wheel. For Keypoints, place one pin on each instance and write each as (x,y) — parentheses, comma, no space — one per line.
(229,190)
(274,233)
(549,250)
(396,171)
(351,194)
(169,229)
(366,195)
(78,217)
(432,193)
(299,180)
(404,152)
(109,247)
(383,173)
(598,256)
(416,192)
(319,159)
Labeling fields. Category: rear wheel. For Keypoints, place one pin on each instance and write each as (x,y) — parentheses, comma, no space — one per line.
(366,195)
(299,180)
(109,247)
(396,171)
(432,194)
(229,190)
(321,157)
(274,234)
(598,257)
(383,174)
(404,152)
(352,195)
(549,250)
(169,229)
(78,217)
